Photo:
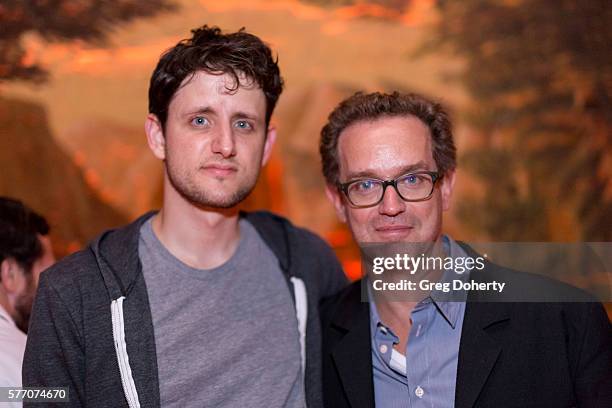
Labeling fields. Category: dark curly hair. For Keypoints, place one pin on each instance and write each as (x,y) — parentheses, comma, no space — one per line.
(369,107)
(212,51)
(19,230)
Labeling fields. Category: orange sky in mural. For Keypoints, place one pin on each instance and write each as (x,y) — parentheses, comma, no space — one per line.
(80,58)
(315,45)
(418,11)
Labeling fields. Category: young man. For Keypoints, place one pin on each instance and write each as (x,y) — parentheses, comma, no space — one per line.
(25,251)
(197,305)
(389,161)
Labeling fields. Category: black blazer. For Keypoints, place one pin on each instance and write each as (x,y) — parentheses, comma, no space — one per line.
(510,354)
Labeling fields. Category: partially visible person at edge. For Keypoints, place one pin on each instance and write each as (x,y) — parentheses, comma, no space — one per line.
(389,162)
(198,304)
(25,251)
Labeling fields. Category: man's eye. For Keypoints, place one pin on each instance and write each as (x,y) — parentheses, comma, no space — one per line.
(243,124)
(199,121)
(411,179)
(364,185)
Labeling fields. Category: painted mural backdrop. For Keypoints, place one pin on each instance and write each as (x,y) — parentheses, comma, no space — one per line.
(529,83)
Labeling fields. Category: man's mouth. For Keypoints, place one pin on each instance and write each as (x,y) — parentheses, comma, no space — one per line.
(220,170)
(394,227)
(394,231)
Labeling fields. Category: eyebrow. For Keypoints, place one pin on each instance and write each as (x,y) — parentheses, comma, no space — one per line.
(421,165)
(209,110)
(245,115)
(201,110)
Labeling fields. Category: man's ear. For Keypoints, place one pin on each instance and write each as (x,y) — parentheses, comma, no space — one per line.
(268,144)
(155,136)
(446,189)
(337,201)
(9,270)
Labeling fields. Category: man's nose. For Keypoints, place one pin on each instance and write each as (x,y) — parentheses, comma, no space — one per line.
(391,204)
(224,142)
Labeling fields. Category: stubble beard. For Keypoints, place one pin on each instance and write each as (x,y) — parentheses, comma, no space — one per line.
(190,191)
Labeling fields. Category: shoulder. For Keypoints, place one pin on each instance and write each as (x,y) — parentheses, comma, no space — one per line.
(343,305)
(544,304)
(11,338)
(73,271)
(315,261)
(523,286)
(530,287)
(302,252)
(279,227)
(115,248)
(289,240)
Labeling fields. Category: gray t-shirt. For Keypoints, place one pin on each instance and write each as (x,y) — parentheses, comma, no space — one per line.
(226,336)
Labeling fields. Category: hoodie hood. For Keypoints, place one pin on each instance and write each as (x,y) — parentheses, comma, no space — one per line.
(116,252)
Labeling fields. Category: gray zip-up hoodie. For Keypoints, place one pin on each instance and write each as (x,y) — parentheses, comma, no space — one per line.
(91,328)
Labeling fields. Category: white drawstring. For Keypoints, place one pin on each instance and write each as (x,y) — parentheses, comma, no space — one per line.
(129,388)
(301,311)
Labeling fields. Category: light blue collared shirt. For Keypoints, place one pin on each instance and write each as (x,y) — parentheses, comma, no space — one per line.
(427,375)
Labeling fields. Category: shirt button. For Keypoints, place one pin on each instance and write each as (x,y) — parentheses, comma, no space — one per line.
(383,348)
(419,392)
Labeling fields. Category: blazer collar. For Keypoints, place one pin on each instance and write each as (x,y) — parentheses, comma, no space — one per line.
(479,348)
(352,355)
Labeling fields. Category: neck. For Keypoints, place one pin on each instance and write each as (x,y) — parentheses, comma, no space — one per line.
(5,304)
(201,237)
(396,314)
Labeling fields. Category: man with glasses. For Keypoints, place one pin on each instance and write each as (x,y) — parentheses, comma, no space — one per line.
(365,193)
(389,162)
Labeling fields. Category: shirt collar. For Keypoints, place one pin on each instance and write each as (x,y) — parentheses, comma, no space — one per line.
(448,304)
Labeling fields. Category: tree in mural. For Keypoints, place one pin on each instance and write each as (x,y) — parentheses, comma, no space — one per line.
(540,76)
(35,168)
(58,21)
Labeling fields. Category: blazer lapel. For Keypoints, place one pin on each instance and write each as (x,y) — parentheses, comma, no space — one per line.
(352,354)
(478,350)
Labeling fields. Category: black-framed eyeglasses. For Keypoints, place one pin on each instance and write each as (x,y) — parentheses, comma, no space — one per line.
(368,192)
